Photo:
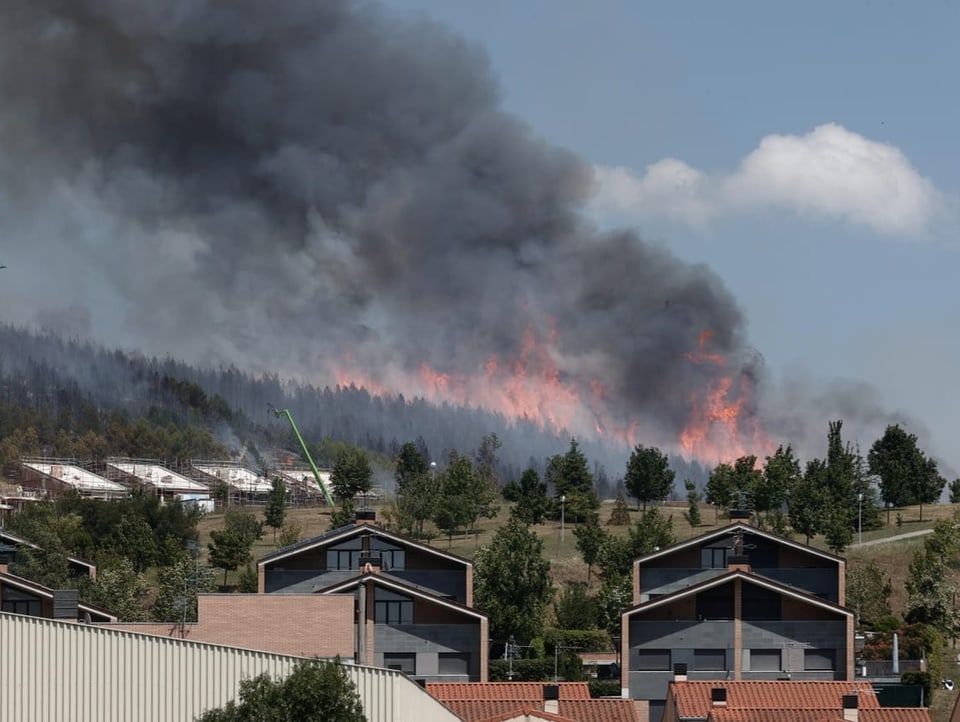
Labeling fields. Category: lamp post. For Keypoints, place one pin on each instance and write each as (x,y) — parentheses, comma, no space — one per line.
(563,500)
(860,518)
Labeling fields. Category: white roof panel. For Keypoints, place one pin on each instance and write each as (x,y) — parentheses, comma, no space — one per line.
(74,476)
(238,477)
(158,476)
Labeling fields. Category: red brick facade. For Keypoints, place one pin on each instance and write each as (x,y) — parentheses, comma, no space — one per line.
(299,624)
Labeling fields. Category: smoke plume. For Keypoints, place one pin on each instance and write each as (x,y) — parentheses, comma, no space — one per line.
(317,187)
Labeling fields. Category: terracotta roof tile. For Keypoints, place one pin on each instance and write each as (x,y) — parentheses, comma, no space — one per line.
(693,696)
(516,691)
(883,714)
(581,710)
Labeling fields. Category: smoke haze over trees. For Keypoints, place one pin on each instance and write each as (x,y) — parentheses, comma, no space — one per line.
(330,192)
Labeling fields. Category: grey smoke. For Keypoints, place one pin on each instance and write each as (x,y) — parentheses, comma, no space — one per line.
(282,185)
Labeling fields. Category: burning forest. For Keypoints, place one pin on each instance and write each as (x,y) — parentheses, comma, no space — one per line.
(333,192)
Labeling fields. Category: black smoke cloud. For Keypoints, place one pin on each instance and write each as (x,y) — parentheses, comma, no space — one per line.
(281,185)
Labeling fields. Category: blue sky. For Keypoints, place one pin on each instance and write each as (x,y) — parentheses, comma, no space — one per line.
(805,152)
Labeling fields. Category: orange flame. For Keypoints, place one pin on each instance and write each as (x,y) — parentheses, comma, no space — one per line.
(717,429)
(530,386)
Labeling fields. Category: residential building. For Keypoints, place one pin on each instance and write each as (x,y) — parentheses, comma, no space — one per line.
(737,603)
(413,603)
(22,596)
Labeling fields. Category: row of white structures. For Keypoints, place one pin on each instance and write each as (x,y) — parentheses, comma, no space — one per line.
(121,475)
(54,671)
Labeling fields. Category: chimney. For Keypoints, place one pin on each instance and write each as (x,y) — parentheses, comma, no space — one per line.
(551,698)
(680,672)
(365,516)
(718,697)
(850,712)
(65,604)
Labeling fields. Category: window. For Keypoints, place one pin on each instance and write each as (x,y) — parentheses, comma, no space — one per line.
(345,555)
(392,608)
(715,603)
(18,602)
(765,660)
(30,607)
(819,660)
(713,557)
(454,664)
(714,660)
(402,662)
(758,603)
(391,557)
(652,660)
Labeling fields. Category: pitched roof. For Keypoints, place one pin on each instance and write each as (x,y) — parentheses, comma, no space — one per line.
(516,691)
(21,583)
(693,697)
(17,539)
(883,714)
(580,710)
(391,582)
(749,577)
(726,531)
(345,532)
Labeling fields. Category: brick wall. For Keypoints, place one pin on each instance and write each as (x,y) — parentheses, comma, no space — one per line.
(298,624)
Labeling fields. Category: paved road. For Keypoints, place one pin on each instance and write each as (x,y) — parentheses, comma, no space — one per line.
(898,537)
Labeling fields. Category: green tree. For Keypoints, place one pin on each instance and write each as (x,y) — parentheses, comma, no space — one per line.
(138,542)
(512,583)
(781,472)
(620,514)
(276,510)
(177,589)
(837,531)
(574,608)
(721,488)
(486,460)
(465,496)
(531,498)
(590,542)
(649,477)
(901,467)
(651,532)
(692,514)
(409,466)
(315,691)
(614,598)
(417,489)
(868,592)
(806,502)
(120,589)
(351,473)
(228,551)
(931,589)
(955,491)
(570,476)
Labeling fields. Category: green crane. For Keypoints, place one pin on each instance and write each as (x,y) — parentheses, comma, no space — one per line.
(279,413)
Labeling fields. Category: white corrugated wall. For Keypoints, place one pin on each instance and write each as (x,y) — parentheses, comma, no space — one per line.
(57,671)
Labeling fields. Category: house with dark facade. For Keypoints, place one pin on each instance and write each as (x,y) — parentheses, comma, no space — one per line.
(22,596)
(413,603)
(737,603)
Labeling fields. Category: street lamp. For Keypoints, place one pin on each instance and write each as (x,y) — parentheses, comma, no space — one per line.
(860,518)
(563,500)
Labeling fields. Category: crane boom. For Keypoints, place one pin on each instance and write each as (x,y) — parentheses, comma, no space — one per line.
(313,467)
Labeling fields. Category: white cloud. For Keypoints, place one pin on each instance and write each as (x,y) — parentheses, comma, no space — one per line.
(830,172)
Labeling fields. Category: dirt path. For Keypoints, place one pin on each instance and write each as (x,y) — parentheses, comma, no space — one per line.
(898,537)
